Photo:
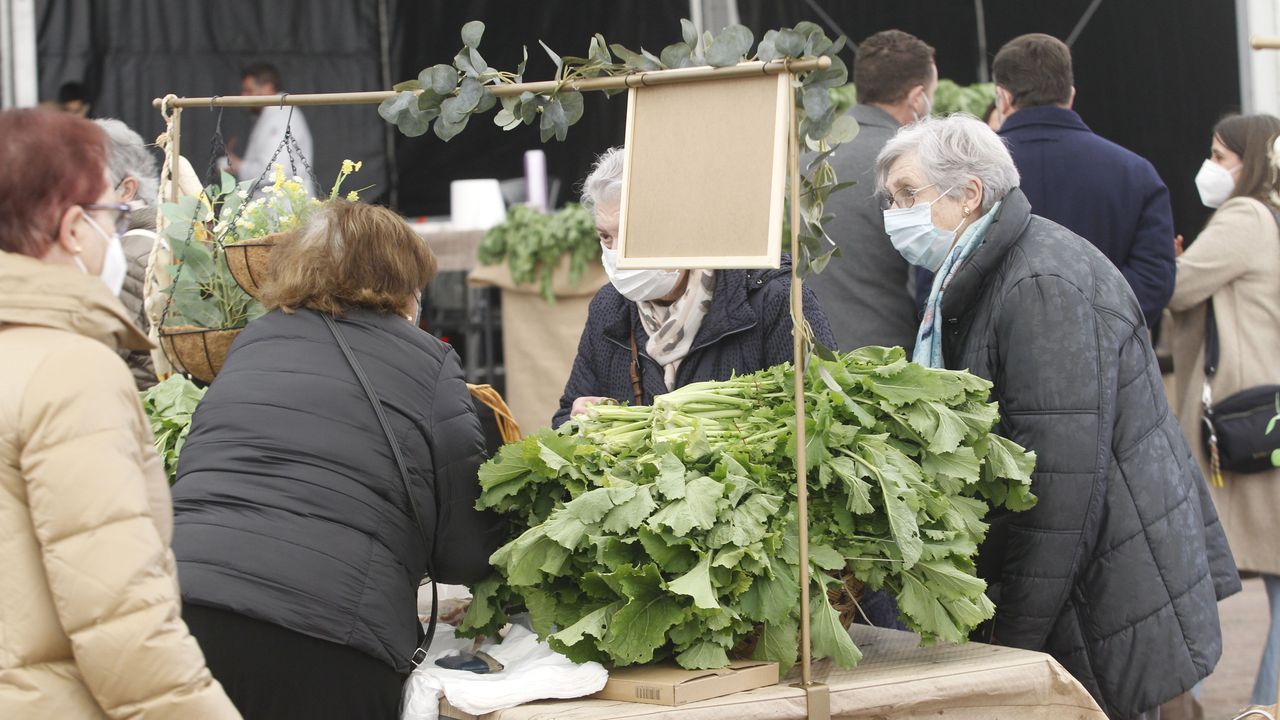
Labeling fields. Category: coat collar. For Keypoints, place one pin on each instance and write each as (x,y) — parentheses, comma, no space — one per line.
(1044,115)
(1006,227)
(37,293)
(875,117)
(730,311)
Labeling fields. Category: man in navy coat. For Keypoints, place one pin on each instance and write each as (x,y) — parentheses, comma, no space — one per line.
(1106,194)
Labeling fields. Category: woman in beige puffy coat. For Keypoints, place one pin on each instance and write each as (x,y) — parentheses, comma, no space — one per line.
(90,623)
(1236,261)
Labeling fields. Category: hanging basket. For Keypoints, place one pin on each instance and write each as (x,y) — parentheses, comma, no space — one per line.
(248,262)
(198,351)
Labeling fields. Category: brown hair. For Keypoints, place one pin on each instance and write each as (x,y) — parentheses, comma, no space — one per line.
(1251,137)
(52,161)
(349,255)
(889,64)
(1035,69)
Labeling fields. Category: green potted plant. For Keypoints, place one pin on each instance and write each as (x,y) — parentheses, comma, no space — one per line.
(206,308)
(248,233)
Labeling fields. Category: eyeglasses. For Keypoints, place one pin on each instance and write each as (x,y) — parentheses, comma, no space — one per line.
(904,198)
(122,211)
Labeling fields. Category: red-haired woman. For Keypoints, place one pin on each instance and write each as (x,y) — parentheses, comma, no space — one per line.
(90,610)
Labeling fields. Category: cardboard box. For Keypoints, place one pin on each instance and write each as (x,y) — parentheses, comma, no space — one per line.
(668,684)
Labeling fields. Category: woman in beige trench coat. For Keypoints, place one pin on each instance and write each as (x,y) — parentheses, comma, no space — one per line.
(1236,261)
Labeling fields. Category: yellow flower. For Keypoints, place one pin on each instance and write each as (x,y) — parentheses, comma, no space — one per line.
(279,176)
(359,165)
(348,167)
(353,196)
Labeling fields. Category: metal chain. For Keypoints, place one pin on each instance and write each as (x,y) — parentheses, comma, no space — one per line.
(217,147)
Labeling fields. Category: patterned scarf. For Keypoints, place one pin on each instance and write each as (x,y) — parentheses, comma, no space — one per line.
(673,327)
(928,350)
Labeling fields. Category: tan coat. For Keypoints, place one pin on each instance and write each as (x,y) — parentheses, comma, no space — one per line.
(1236,261)
(90,623)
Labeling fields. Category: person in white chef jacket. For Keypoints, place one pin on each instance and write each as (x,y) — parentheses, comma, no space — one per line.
(269,130)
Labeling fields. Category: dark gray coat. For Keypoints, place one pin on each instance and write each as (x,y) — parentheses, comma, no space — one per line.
(864,291)
(289,507)
(1118,570)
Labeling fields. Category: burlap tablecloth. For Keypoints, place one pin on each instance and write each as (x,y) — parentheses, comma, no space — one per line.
(897,680)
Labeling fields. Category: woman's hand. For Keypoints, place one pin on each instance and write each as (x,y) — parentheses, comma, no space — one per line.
(1177,245)
(581,405)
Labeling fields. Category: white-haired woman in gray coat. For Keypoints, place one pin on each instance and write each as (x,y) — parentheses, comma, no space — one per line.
(1117,570)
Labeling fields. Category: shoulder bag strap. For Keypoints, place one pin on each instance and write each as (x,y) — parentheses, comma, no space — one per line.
(420,653)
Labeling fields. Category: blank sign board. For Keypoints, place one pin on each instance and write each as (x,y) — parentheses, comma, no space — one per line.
(704,174)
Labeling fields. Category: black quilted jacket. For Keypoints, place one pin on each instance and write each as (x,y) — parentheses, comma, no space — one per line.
(289,506)
(748,328)
(1118,570)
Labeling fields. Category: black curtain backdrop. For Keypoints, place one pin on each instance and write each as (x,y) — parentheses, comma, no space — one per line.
(1153,77)
(129,53)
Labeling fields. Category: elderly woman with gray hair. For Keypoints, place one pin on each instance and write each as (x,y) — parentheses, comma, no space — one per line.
(1117,570)
(133,172)
(649,332)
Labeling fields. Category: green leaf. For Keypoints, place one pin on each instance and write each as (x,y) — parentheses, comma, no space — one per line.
(631,514)
(826,557)
(470,92)
(830,639)
(859,498)
(843,130)
(440,79)
(571,102)
(789,43)
(1009,460)
(697,509)
(697,584)
(705,655)
(471,33)
(729,46)
(677,55)
(594,624)
(407,85)
(779,642)
(927,614)
(640,627)
(483,610)
(772,597)
(670,482)
(961,464)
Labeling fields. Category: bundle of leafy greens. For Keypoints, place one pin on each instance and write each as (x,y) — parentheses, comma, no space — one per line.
(169,406)
(644,533)
(533,244)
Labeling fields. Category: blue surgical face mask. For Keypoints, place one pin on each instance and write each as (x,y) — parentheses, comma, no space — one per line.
(916,238)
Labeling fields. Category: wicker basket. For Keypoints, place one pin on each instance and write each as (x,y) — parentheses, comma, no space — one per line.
(248,262)
(197,351)
(844,599)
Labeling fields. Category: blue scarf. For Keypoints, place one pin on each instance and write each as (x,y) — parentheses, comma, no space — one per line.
(928,350)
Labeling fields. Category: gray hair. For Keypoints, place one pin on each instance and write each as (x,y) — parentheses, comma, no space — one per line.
(951,150)
(604,183)
(128,156)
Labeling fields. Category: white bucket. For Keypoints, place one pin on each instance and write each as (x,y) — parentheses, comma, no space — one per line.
(476,204)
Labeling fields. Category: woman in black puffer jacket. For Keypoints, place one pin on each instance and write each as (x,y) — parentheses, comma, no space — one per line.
(298,549)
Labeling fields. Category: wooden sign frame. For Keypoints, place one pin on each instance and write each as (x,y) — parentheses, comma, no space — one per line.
(677,212)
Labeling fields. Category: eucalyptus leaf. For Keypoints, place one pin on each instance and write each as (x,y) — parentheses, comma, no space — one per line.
(440,79)
(689,31)
(789,43)
(633,60)
(730,46)
(469,94)
(488,101)
(388,110)
(571,102)
(407,85)
(677,55)
(471,33)
(555,59)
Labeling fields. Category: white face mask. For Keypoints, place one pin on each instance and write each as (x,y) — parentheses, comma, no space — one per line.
(638,285)
(114,264)
(928,109)
(1215,183)
(916,238)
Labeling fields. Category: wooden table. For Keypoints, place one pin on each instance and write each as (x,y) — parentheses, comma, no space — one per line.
(896,680)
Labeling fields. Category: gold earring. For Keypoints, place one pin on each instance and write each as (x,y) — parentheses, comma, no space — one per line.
(77,250)
(966,211)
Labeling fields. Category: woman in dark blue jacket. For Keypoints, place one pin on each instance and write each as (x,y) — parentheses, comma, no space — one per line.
(680,327)
(299,550)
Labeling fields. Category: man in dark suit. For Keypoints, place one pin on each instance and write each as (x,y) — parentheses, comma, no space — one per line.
(1106,194)
(865,292)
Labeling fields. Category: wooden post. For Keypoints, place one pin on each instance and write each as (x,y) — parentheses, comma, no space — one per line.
(817,697)
(175,155)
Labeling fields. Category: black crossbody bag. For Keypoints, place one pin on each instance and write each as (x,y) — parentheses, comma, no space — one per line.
(1236,430)
(420,653)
